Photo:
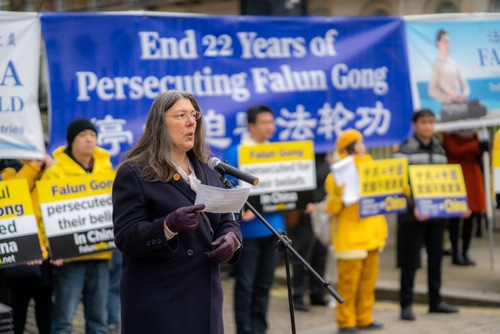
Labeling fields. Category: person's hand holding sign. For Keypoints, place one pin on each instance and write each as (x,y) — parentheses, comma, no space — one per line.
(420,217)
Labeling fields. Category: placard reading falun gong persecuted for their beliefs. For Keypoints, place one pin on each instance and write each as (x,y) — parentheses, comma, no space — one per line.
(19,242)
(381,186)
(439,190)
(286,172)
(77,213)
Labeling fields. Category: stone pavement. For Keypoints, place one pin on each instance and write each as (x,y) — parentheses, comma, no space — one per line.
(475,289)
(321,320)
(477,285)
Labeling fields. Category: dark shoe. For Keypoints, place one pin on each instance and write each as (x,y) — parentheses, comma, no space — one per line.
(447,252)
(458,260)
(349,330)
(468,260)
(407,314)
(320,301)
(300,306)
(373,326)
(443,307)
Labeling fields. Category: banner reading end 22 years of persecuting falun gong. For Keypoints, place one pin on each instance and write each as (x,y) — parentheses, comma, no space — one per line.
(320,75)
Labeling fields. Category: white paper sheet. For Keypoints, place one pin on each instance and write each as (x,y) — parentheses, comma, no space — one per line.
(345,173)
(218,200)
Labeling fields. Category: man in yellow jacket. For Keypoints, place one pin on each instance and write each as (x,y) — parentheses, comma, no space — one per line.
(85,276)
(357,243)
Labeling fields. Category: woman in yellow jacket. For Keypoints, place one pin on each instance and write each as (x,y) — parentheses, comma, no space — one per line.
(27,282)
(357,242)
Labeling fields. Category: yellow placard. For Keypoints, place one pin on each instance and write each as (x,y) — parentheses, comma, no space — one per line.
(496,159)
(435,181)
(15,199)
(70,188)
(380,177)
(276,152)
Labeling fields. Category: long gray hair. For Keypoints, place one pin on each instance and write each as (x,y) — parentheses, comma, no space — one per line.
(152,153)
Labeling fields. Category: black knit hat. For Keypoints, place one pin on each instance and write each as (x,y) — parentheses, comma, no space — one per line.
(77,126)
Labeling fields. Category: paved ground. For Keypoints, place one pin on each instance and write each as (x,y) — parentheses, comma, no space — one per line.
(321,320)
(467,287)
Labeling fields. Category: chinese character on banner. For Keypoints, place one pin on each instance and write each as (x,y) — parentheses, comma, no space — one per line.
(215,125)
(333,120)
(241,128)
(298,125)
(373,120)
(111,133)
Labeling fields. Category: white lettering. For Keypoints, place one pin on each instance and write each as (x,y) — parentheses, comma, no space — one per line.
(344,78)
(155,47)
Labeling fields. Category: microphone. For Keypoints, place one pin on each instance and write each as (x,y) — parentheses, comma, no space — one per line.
(223,168)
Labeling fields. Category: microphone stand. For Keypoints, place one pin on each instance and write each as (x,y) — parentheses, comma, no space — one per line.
(283,245)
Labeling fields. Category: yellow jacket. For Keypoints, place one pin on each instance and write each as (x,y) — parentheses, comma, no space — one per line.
(353,236)
(66,167)
(31,172)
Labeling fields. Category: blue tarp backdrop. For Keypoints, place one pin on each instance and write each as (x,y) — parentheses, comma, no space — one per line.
(320,75)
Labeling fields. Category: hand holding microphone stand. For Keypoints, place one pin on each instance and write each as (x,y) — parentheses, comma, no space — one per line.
(283,244)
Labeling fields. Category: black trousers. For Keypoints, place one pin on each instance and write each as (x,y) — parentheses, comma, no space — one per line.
(21,296)
(412,236)
(311,250)
(454,228)
(254,277)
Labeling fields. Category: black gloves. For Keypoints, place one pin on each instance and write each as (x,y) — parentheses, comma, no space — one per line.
(183,219)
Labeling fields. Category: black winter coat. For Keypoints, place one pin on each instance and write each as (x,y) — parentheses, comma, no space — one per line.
(167,287)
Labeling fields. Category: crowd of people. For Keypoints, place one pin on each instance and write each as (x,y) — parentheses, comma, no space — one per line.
(166,268)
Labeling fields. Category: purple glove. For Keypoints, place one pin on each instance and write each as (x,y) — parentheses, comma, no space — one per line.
(224,247)
(183,219)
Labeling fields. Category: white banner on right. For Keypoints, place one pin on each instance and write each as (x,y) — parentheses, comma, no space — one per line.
(455,68)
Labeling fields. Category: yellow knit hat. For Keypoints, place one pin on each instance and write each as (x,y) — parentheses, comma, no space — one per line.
(346,138)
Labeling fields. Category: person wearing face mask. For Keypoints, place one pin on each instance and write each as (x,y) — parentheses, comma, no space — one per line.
(357,241)
(171,251)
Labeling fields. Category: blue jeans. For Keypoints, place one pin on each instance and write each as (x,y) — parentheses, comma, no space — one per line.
(254,275)
(114,289)
(88,280)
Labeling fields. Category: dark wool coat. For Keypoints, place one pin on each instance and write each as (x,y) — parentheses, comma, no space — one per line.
(167,287)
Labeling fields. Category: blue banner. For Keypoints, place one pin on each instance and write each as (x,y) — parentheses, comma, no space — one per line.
(320,75)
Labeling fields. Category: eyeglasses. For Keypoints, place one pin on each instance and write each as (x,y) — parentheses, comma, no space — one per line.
(195,115)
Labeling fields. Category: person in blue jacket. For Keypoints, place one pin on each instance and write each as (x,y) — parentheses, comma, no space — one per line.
(254,273)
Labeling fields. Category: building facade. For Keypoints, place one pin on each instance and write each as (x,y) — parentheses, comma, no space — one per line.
(280,7)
